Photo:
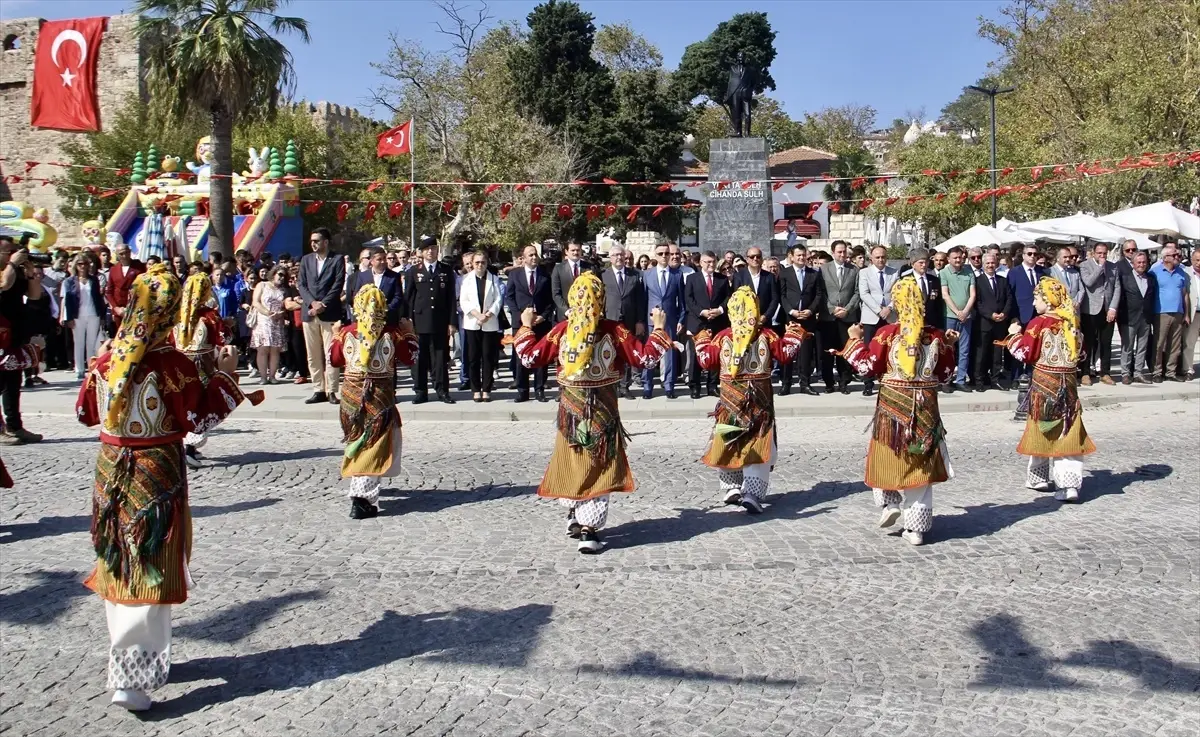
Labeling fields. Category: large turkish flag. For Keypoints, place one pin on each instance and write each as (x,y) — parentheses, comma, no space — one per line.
(64,75)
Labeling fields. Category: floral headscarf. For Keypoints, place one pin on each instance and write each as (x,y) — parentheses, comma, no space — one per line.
(1054,293)
(909,303)
(370,307)
(149,317)
(197,293)
(586,302)
(743,319)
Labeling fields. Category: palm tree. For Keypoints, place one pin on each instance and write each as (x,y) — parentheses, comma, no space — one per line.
(218,56)
(848,166)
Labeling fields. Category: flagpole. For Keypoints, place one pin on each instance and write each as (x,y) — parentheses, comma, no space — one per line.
(412,178)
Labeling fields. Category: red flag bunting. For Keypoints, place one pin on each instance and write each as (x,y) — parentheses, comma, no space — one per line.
(535,213)
(449,205)
(103,195)
(658,211)
(30,165)
(983,195)
(521,187)
(420,202)
(374,185)
(952,174)
(1006,171)
(930,172)
(940,196)
(962,197)
(775,187)
(64,75)
(803,183)
(722,185)
(891,201)
(408,187)
(369,211)
(835,207)
(858,183)
(1034,173)
(593,212)
(982,170)
(633,211)
(866,203)
(581,182)
(812,209)
(124,172)
(478,205)
(748,185)
(343,209)
(490,189)
(309,180)
(565,211)
(1059,171)
(396,209)
(338,182)
(606,180)
(610,210)
(395,141)
(665,187)
(505,208)
(915,199)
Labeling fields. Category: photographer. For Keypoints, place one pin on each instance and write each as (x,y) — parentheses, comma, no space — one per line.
(15,287)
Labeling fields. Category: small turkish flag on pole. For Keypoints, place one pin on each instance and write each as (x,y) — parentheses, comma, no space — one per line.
(395,141)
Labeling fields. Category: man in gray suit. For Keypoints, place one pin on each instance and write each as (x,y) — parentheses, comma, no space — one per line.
(1101,298)
(624,301)
(1067,273)
(841,311)
(875,294)
(563,276)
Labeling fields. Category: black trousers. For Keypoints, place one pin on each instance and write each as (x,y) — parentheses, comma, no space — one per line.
(801,367)
(10,398)
(834,334)
(539,374)
(698,376)
(483,350)
(434,349)
(989,357)
(869,335)
(1097,341)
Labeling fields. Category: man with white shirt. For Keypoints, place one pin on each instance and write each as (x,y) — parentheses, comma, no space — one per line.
(664,290)
(842,305)
(1098,314)
(375,271)
(1135,316)
(1193,328)
(975,260)
(322,278)
(564,275)
(1067,273)
(874,293)
(624,302)
(931,288)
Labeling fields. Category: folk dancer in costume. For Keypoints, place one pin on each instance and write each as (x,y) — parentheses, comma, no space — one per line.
(1055,439)
(24,357)
(588,462)
(907,454)
(743,443)
(146,396)
(198,334)
(370,351)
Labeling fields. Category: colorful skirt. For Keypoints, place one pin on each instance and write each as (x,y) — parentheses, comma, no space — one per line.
(141,525)
(907,449)
(1054,428)
(589,448)
(744,434)
(370,427)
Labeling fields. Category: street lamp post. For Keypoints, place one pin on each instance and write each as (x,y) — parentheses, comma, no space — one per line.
(992,92)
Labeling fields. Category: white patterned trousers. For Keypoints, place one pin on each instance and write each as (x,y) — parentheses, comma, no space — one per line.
(1065,473)
(916,505)
(592,513)
(365,488)
(139,654)
(195,440)
(752,481)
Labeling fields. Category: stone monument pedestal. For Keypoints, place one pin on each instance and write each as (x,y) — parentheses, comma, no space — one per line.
(738,215)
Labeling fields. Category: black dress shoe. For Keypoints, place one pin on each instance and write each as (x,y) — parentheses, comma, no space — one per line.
(317,398)
(333,399)
(844,388)
(829,389)
(712,391)
(965,388)
(670,393)
(947,388)
(462,387)
(695,394)
(446,398)
(421,399)
(806,389)
(362,509)
(785,390)
(869,391)
(647,395)
(540,395)
(522,397)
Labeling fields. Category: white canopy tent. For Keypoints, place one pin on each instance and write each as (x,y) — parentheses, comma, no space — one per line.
(1160,218)
(1086,226)
(982,236)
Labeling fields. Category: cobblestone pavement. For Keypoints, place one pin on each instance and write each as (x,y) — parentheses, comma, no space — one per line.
(464,610)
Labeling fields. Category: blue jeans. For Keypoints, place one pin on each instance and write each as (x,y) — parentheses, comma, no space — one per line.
(666,368)
(964,345)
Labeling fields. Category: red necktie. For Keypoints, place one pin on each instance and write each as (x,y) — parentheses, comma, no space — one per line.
(575,269)
(530,282)
(708,284)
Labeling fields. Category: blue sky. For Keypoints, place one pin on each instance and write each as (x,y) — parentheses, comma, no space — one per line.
(895,55)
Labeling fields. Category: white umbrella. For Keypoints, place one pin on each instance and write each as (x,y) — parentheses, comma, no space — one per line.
(1086,226)
(982,236)
(1160,218)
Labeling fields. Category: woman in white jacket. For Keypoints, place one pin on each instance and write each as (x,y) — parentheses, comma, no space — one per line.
(480,299)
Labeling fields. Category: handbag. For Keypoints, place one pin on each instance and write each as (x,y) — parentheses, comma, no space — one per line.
(251,318)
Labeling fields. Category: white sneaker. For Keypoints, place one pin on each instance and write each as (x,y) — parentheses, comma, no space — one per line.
(751,505)
(1066,495)
(1042,486)
(913,537)
(734,497)
(889,516)
(132,699)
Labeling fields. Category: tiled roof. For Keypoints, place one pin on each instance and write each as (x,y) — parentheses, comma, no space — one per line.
(794,163)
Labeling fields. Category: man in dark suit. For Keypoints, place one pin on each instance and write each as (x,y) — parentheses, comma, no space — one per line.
(705,295)
(624,301)
(994,307)
(1135,315)
(563,276)
(529,286)
(664,290)
(322,277)
(802,297)
(433,311)
(761,281)
(931,287)
(1022,280)
(388,281)
(841,301)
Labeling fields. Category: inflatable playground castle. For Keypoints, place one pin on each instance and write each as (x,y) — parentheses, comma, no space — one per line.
(165,212)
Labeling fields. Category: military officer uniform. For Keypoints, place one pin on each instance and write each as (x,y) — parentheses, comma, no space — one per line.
(433,307)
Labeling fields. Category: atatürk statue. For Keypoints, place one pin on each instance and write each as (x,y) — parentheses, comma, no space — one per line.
(738,98)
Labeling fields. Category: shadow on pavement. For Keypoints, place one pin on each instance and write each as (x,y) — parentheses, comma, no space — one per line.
(239,622)
(51,526)
(429,501)
(648,665)
(43,603)
(498,638)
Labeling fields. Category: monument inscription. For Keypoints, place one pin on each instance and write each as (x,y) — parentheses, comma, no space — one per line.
(737,215)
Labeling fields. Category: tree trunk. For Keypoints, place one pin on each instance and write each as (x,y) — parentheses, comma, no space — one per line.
(220,187)
(455,227)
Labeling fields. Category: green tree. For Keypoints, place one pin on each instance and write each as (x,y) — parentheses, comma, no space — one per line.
(848,165)
(838,129)
(943,217)
(621,49)
(704,69)
(970,111)
(222,57)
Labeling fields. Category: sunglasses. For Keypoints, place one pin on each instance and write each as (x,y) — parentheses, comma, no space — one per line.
(1130,250)
(660,253)
(754,256)
(1031,253)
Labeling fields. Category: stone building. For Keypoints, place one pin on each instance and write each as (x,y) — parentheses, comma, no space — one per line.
(118,74)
